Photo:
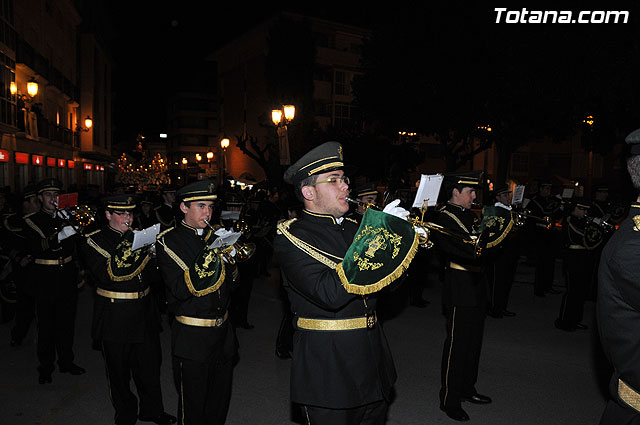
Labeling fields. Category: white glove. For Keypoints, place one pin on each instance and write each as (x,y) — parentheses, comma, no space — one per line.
(393,209)
(62,214)
(420,231)
(65,233)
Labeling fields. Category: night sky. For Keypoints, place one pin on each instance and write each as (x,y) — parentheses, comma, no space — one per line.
(153,43)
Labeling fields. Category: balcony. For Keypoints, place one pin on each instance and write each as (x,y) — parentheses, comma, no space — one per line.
(48,130)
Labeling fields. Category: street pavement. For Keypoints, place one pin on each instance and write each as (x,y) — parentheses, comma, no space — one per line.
(535,373)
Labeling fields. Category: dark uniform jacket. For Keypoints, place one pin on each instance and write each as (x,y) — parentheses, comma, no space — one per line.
(468,288)
(166,216)
(183,245)
(118,320)
(335,369)
(618,312)
(41,235)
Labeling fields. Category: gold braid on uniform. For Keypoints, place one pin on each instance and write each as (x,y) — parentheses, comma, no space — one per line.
(44,243)
(283,229)
(387,280)
(457,220)
(185,269)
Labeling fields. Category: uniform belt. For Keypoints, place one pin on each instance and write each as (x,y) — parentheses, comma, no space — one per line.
(205,323)
(628,395)
(464,268)
(364,322)
(122,295)
(576,247)
(58,262)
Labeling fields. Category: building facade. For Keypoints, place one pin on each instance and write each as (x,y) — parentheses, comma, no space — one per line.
(62,129)
(244,103)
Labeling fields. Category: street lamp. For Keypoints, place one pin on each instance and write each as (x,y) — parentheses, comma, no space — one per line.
(184,167)
(32,88)
(288,112)
(88,123)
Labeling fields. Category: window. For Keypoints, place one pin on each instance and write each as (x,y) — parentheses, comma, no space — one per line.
(342,85)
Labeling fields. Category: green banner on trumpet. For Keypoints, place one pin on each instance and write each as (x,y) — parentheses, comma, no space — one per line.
(496,223)
(380,253)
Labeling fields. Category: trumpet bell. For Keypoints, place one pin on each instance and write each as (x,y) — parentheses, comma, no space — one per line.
(245,251)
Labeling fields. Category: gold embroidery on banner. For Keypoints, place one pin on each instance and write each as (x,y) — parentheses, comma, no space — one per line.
(204,271)
(394,239)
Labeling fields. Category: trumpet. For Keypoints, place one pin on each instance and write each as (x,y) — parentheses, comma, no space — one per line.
(78,217)
(520,217)
(478,241)
(244,251)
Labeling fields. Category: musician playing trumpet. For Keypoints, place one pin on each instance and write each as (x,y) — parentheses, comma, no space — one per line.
(342,371)
(463,297)
(198,281)
(54,274)
(126,322)
(578,262)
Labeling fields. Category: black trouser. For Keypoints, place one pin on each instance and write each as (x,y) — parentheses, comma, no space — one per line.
(461,353)
(204,390)
(56,303)
(142,362)
(500,276)
(546,260)
(370,414)
(578,269)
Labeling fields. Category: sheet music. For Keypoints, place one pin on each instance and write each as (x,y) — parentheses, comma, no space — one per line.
(518,194)
(428,190)
(567,193)
(225,238)
(146,237)
(230,215)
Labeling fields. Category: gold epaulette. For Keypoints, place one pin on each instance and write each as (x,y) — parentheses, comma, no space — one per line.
(351,220)
(164,232)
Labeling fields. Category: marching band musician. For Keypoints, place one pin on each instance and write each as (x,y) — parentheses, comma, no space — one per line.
(342,370)
(502,269)
(463,298)
(578,259)
(618,306)
(54,273)
(545,239)
(366,193)
(165,213)
(125,317)
(198,280)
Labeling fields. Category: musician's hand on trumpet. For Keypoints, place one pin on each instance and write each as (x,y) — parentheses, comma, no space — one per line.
(393,209)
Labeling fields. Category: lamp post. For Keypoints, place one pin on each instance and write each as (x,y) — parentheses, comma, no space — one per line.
(224,144)
(184,166)
(281,117)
